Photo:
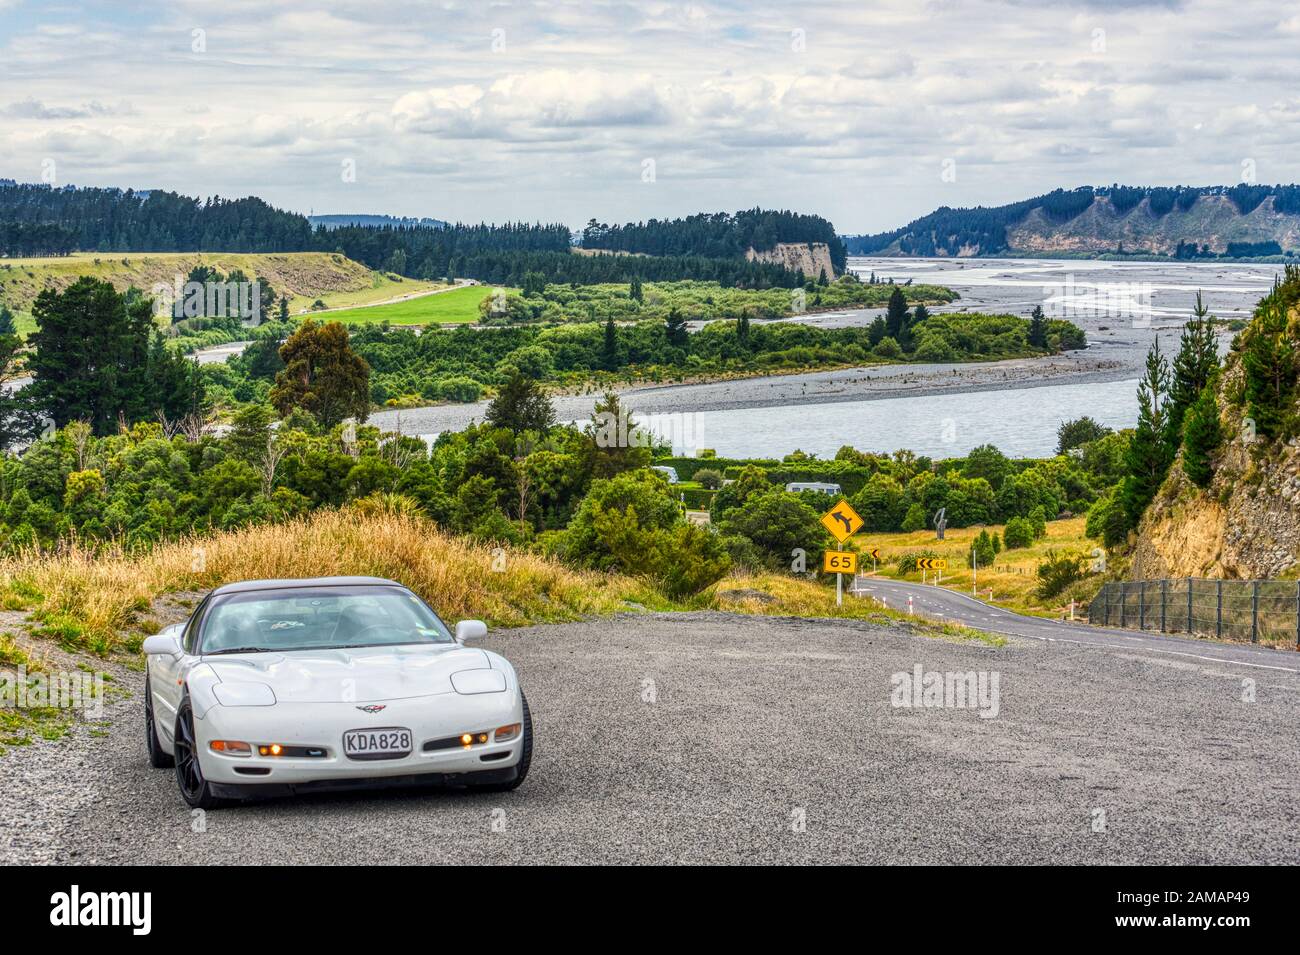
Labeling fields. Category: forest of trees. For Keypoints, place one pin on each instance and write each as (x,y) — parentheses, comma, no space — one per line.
(117,220)
(38,220)
(716,234)
(946,230)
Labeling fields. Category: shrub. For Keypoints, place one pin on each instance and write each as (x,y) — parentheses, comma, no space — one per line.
(1107,520)
(709,478)
(887,348)
(907,563)
(933,350)
(1018,533)
(1058,571)
(1038,520)
(777,523)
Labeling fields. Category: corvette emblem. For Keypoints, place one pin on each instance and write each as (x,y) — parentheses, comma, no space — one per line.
(373,708)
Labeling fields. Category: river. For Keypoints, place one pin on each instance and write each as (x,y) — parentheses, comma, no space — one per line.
(939,410)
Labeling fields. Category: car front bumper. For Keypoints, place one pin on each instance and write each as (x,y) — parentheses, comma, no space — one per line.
(322,725)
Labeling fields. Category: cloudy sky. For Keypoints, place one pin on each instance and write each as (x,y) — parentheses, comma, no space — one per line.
(867,112)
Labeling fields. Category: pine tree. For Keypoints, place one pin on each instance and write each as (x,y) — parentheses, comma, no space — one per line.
(609,353)
(877,331)
(1150,451)
(895,313)
(1270,361)
(91,360)
(1037,328)
(18,423)
(7,325)
(1202,435)
(742,330)
(675,327)
(521,405)
(1196,363)
(634,291)
(919,315)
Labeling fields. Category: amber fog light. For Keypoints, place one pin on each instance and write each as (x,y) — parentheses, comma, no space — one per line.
(275,749)
(506,733)
(230,747)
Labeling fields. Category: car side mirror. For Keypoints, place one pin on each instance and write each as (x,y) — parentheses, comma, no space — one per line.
(470,630)
(162,644)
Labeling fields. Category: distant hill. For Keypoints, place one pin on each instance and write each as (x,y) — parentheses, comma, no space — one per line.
(742,250)
(756,234)
(1182,222)
(405,222)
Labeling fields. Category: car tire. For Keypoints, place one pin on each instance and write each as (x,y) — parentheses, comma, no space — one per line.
(158,757)
(195,790)
(525,755)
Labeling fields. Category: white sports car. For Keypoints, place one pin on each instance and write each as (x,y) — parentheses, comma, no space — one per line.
(281,686)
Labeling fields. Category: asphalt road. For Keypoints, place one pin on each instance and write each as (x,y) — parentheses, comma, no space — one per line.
(939,602)
(708,737)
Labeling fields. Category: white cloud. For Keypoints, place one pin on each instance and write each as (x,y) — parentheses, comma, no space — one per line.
(476,110)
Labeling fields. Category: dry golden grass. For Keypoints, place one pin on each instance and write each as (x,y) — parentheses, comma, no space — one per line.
(90,599)
(102,601)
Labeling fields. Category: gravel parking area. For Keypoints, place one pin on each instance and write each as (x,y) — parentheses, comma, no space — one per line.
(695,738)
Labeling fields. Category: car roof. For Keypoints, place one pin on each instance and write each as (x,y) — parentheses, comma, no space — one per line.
(245,586)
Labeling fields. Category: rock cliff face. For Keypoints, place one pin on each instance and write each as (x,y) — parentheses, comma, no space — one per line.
(1212,221)
(812,257)
(1245,525)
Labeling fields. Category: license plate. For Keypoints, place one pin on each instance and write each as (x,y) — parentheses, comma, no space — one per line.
(383,742)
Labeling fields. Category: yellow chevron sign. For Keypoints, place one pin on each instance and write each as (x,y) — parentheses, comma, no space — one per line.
(931,563)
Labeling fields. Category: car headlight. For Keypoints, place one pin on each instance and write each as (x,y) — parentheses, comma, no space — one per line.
(244,694)
(506,733)
(470,682)
(230,747)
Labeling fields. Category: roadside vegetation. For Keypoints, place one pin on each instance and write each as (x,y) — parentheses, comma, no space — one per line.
(100,600)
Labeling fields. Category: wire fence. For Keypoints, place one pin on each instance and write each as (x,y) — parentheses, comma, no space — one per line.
(1260,611)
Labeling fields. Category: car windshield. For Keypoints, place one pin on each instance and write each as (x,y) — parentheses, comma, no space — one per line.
(314,618)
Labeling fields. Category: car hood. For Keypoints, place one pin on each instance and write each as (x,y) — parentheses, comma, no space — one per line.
(358,675)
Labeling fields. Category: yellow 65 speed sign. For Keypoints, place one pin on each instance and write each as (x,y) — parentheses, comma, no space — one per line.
(839,562)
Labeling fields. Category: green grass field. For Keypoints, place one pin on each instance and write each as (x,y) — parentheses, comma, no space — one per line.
(303,276)
(458,307)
